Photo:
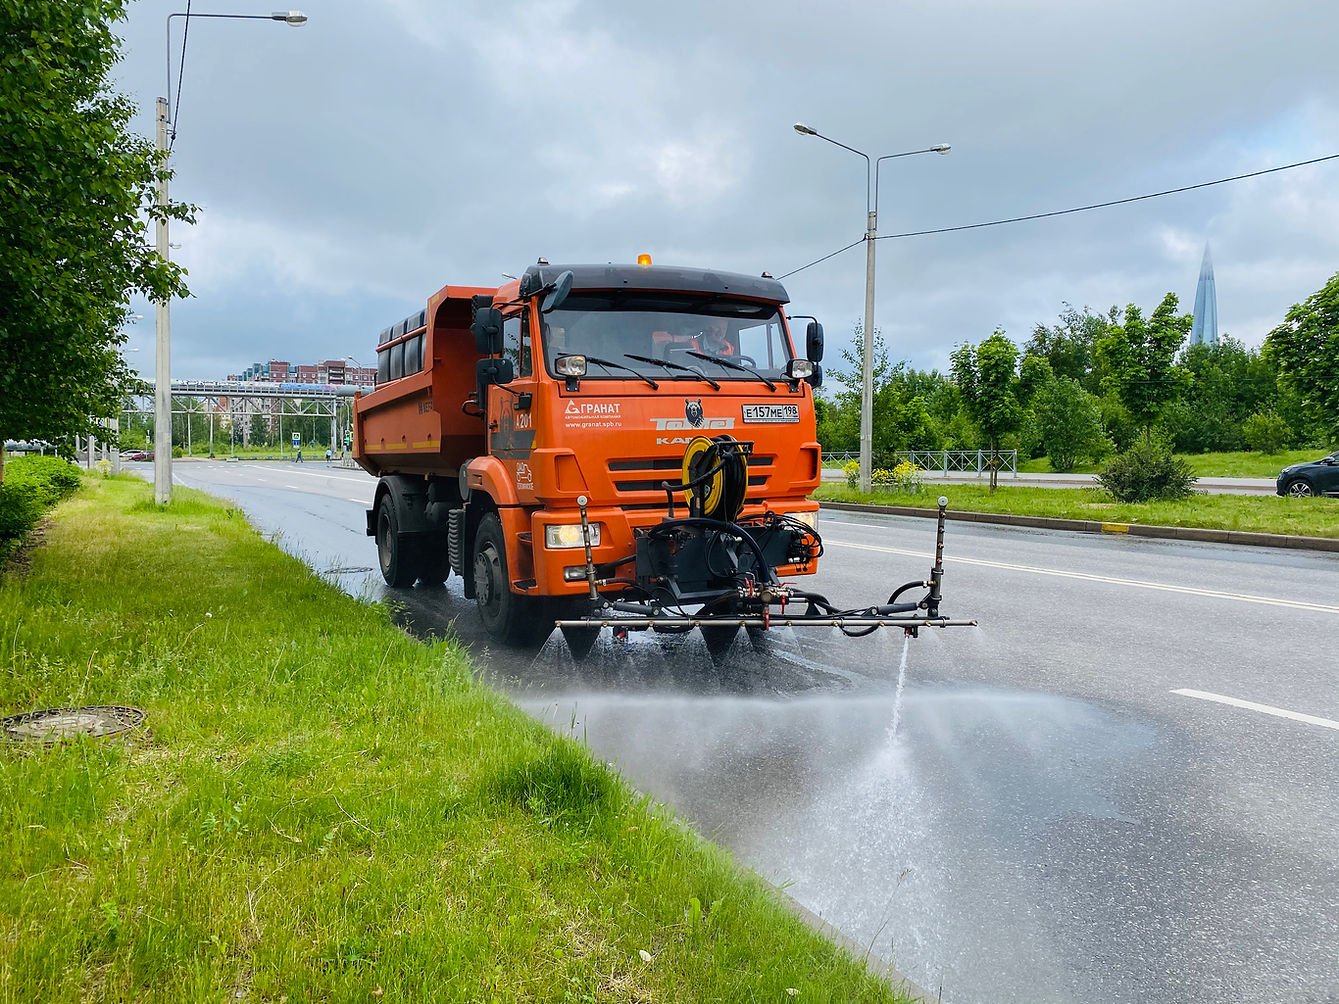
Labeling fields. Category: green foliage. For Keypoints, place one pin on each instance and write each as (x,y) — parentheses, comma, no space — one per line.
(904,477)
(33,484)
(1305,347)
(75,187)
(1070,422)
(988,381)
(1069,347)
(1140,358)
(1222,385)
(1148,472)
(1266,432)
(910,407)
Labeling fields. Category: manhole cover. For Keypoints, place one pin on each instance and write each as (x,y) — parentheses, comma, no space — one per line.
(55,724)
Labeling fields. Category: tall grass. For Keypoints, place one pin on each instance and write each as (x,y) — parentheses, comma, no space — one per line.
(322,808)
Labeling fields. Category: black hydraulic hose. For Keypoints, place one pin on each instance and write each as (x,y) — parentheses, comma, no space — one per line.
(902,589)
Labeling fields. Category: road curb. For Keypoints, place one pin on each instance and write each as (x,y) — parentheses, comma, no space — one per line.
(1240,537)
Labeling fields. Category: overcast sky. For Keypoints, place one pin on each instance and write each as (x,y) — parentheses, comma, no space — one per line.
(348,168)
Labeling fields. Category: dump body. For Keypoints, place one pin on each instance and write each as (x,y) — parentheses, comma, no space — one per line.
(452,448)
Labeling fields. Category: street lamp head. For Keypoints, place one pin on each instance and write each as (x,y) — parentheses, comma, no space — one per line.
(941,148)
(294,17)
(804,130)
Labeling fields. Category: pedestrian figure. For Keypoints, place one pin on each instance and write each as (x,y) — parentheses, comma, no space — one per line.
(328,455)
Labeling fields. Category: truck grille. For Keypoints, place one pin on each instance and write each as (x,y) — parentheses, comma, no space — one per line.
(648,473)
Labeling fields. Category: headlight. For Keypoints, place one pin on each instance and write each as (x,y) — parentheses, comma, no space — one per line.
(561,536)
(570,366)
(799,369)
(809,519)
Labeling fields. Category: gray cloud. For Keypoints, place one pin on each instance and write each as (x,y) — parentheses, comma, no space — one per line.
(349,168)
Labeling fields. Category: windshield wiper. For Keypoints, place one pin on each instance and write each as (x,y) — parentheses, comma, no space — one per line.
(673,366)
(608,364)
(732,366)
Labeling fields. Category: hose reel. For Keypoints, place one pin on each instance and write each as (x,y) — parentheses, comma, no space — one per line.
(715,477)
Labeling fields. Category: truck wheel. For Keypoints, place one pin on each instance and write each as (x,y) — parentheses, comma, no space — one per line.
(435,563)
(397,567)
(506,616)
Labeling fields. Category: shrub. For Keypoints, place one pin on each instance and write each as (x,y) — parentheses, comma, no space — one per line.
(1266,432)
(52,474)
(31,485)
(904,477)
(1148,472)
(21,506)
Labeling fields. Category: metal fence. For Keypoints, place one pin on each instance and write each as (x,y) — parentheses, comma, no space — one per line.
(945,461)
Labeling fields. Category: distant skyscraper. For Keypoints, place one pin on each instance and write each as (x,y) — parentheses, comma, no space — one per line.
(1205,330)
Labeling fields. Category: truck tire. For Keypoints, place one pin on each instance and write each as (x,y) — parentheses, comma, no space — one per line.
(435,561)
(506,616)
(397,567)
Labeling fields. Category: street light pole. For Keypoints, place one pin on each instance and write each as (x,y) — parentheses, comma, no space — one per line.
(162,382)
(871,235)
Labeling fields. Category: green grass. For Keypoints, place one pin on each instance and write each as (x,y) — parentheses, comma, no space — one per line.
(323,808)
(1315,517)
(1207,465)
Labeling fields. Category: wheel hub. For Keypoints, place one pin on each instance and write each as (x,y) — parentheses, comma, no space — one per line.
(487,576)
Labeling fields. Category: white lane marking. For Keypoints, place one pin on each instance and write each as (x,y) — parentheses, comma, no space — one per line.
(360,501)
(1269,601)
(341,473)
(1266,709)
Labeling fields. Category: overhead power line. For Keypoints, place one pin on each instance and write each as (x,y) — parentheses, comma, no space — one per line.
(1067,212)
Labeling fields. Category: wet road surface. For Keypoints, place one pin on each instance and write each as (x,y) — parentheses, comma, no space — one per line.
(1052,822)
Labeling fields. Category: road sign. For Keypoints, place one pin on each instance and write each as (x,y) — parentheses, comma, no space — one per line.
(297,440)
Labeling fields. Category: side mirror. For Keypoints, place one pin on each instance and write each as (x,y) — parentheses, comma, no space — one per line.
(816,377)
(813,344)
(487,329)
(555,297)
(491,371)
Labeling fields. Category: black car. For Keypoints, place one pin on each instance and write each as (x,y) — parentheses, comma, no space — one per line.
(1316,477)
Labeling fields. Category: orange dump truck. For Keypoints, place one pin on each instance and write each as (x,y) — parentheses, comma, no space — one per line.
(624,446)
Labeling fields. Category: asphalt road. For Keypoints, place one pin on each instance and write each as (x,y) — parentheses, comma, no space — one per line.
(1051,822)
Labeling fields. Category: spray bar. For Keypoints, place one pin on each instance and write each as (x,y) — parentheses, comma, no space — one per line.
(639,623)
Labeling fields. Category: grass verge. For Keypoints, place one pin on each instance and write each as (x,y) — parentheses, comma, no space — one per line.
(1243,464)
(323,808)
(1314,517)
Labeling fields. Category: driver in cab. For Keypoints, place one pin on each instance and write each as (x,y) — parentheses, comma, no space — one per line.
(715,338)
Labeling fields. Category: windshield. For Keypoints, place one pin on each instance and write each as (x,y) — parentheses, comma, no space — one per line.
(615,325)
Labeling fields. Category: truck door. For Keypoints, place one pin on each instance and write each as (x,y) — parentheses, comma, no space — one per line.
(512,438)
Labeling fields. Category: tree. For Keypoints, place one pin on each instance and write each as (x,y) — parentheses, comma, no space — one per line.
(75,188)
(1069,346)
(1305,347)
(1140,359)
(1070,424)
(990,387)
